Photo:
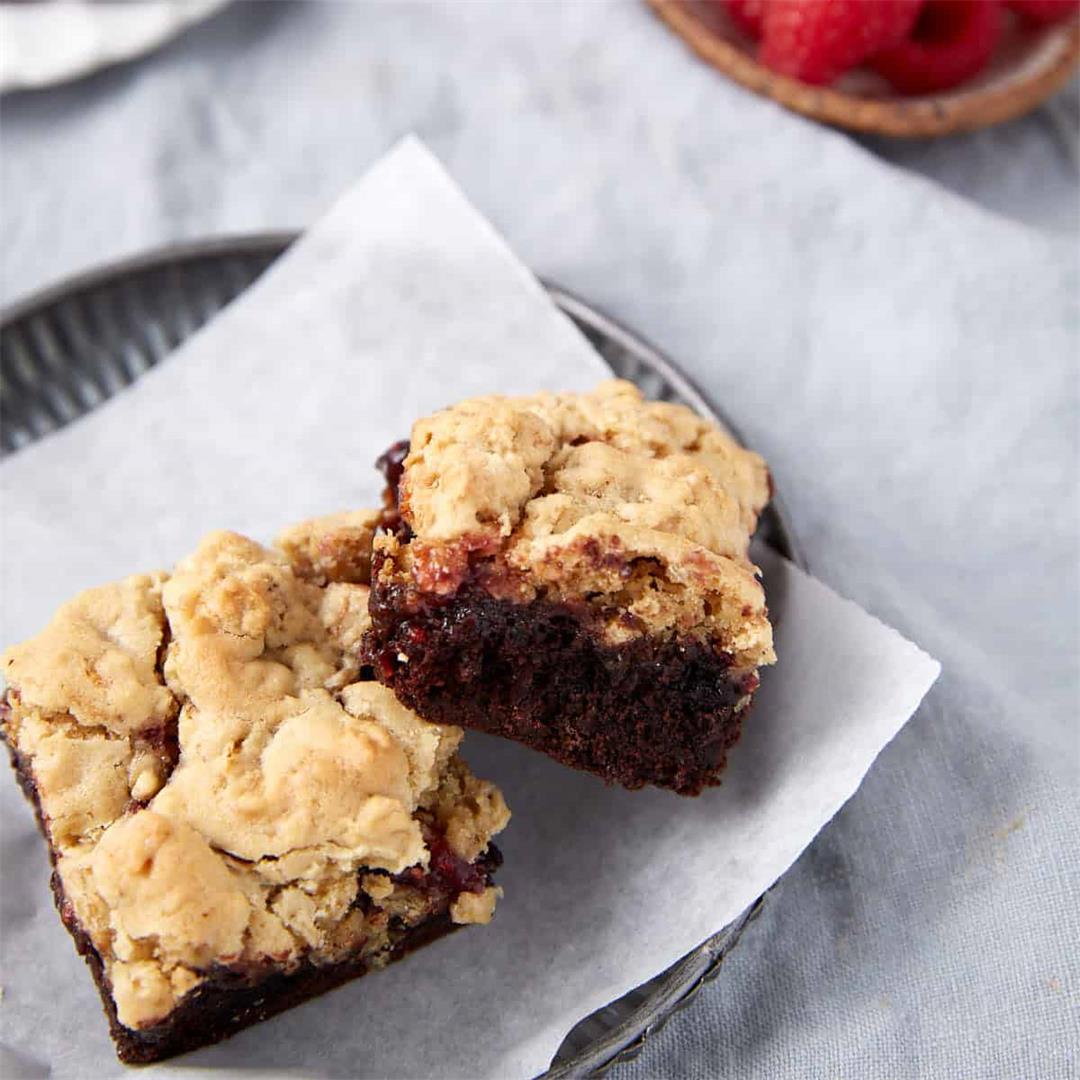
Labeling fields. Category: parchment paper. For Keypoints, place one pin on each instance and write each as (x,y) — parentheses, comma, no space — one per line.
(400,300)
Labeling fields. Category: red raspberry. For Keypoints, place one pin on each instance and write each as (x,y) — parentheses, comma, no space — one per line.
(818,40)
(952,41)
(747,15)
(896,20)
(1045,11)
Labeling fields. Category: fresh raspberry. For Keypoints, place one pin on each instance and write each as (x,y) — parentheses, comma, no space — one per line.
(747,15)
(1041,12)
(896,20)
(818,40)
(952,41)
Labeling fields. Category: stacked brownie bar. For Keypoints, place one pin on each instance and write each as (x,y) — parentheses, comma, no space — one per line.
(571,571)
(247,769)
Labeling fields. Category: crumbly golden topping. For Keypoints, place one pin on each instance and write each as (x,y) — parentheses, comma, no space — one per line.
(218,786)
(96,661)
(476,907)
(641,508)
(336,547)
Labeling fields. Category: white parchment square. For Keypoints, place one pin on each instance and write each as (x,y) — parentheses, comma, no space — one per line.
(403,299)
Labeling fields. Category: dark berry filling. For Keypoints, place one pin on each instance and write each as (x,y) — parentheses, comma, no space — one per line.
(392,466)
(448,874)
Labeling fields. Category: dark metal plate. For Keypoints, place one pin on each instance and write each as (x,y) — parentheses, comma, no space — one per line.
(68,348)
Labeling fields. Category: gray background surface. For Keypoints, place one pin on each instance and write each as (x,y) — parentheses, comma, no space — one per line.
(893,325)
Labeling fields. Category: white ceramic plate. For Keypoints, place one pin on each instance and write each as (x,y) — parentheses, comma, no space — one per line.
(43,42)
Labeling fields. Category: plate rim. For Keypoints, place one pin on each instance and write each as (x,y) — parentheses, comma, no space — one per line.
(701,964)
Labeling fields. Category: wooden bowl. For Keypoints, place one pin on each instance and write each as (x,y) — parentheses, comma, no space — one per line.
(1030,65)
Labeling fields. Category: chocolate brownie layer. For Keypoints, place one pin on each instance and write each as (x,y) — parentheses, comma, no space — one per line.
(573,569)
(236,820)
(229,1001)
(641,712)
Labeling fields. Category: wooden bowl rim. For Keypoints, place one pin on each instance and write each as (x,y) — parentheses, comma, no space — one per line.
(939,114)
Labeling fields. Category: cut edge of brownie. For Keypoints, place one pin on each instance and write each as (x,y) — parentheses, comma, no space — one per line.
(227,1000)
(660,711)
(645,711)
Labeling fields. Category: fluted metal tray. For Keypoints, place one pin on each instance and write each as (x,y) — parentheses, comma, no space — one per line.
(68,348)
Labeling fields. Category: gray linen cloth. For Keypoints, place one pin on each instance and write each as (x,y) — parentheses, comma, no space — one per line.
(905,358)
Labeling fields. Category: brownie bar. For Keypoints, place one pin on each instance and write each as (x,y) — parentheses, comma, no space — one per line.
(235,822)
(571,571)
